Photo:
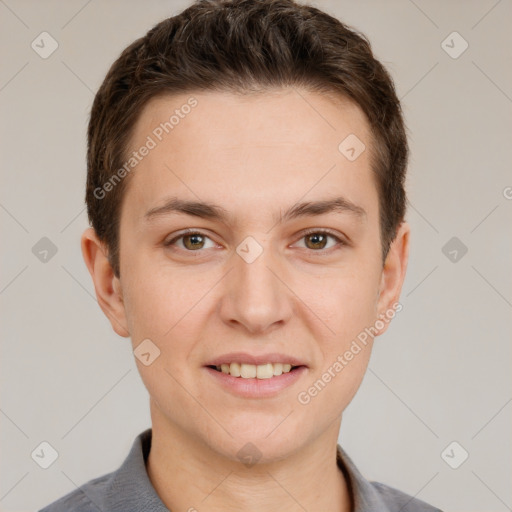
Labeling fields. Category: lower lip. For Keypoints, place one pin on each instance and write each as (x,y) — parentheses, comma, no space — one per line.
(256,388)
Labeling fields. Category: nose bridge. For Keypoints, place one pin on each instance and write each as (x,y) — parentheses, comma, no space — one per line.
(255,297)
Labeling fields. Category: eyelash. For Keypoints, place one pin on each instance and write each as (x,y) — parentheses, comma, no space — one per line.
(341,243)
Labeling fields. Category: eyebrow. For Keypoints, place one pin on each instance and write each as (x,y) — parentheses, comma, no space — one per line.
(207,210)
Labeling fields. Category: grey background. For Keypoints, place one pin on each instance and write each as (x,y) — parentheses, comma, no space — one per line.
(440,374)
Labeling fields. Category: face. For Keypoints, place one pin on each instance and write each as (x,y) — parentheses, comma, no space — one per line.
(252,277)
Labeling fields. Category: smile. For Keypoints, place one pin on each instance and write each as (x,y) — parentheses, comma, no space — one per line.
(251,371)
(255,381)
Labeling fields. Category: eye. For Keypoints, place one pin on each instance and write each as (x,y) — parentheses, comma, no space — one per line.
(191,241)
(194,241)
(317,240)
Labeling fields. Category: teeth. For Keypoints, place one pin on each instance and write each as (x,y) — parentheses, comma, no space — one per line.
(251,371)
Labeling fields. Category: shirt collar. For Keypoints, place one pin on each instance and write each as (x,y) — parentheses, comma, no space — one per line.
(132,478)
(364,495)
(137,490)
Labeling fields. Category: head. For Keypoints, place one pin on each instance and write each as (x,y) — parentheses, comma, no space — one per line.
(269,131)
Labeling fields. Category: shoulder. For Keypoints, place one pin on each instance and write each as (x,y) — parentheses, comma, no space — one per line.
(370,495)
(89,497)
(128,489)
(400,501)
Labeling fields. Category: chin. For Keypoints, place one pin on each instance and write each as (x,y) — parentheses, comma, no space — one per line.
(251,451)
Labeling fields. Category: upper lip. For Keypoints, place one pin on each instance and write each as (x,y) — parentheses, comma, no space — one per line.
(244,357)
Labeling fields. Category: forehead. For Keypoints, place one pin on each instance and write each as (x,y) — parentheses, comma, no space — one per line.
(274,147)
(220,118)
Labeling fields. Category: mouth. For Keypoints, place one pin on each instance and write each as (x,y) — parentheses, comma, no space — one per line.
(253,371)
(255,381)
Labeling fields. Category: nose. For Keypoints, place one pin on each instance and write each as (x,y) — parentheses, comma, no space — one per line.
(255,297)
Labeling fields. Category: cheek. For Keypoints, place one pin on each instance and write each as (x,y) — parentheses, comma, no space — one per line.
(162,307)
(343,362)
(347,308)
(166,304)
(345,302)
(155,305)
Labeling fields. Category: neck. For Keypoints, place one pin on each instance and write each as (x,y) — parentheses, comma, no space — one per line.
(190,475)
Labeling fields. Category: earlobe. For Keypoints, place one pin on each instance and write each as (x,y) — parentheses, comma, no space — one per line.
(107,286)
(393,273)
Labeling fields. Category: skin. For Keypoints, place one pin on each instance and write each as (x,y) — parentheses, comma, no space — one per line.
(255,156)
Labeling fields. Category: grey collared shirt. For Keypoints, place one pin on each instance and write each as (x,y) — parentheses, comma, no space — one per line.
(128,489)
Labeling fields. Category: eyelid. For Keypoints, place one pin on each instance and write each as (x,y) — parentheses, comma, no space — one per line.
(180,234)
(325,231)
(341,241)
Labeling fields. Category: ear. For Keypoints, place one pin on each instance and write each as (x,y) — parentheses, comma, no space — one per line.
(393,275)
(107,286)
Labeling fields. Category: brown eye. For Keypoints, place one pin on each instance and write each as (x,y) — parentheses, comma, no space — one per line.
(318,240)
(195,241)
(191,241)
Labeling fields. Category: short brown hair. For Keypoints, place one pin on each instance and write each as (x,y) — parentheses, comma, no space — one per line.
(243,46)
